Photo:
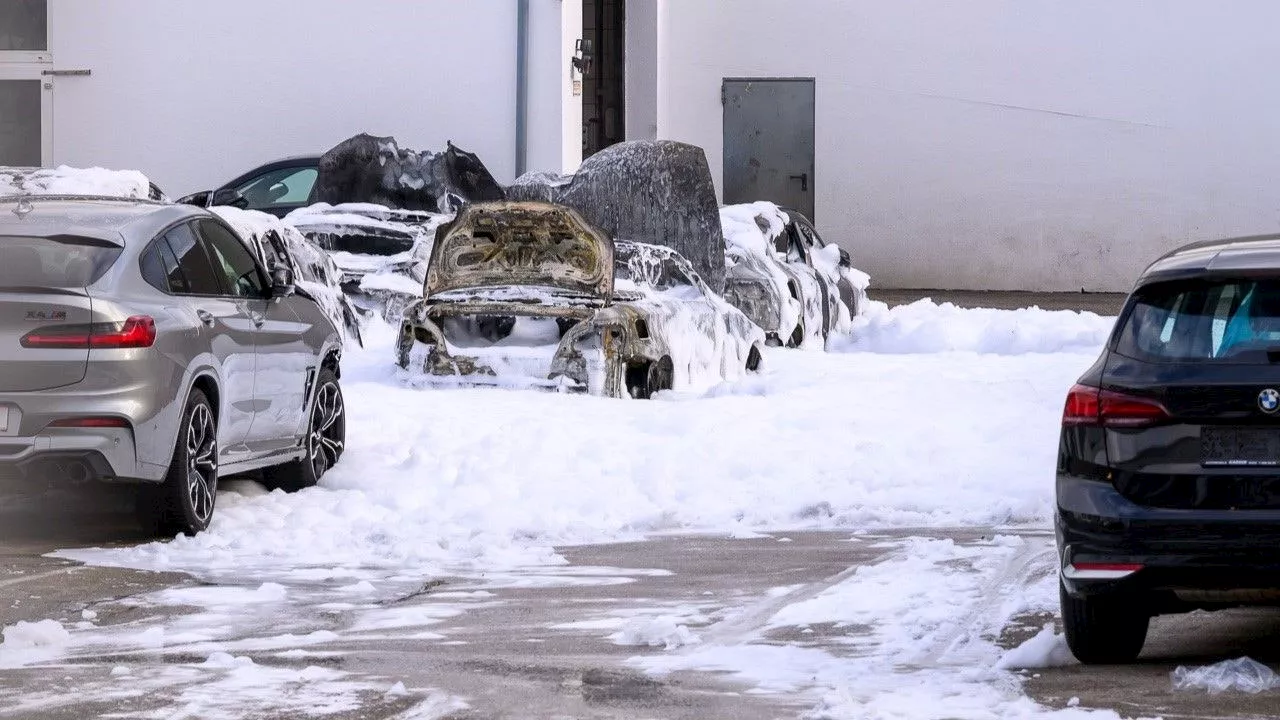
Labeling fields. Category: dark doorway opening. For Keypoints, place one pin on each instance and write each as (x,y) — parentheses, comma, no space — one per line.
(604,31)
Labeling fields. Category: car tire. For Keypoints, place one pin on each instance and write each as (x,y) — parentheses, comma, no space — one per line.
(184,501)
(797,336)
(324,442)
(1103,629)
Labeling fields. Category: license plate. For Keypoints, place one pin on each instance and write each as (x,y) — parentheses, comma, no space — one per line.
(1240,447)
(4,419)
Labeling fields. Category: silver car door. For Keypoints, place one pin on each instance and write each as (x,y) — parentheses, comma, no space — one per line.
(284,361)
(227,335)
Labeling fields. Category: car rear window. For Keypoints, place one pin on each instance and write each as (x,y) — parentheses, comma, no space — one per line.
(1204,321)
(53,262)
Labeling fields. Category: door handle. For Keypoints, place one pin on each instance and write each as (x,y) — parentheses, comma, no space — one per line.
(804,181)
(257,319)
(206,317)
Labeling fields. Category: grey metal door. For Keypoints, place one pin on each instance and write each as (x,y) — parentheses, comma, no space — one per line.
(768,141)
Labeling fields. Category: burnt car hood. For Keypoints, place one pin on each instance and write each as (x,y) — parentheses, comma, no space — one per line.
(521,245)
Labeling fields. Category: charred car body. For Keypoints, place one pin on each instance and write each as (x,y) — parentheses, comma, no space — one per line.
(529,293)
(381,253)
(780,273)
(652,191)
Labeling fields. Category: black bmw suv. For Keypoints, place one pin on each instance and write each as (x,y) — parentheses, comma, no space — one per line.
(1168,478)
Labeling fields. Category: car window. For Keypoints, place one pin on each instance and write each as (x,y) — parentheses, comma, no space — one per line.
(810,236)
(795,247)
(1224,321)
(53,262)
(193,264)
(233,260)
(160,268)
(287,186)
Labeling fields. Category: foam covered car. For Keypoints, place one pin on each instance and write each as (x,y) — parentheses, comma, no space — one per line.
(276,244)
(529,294)
(381,252)
(798,288)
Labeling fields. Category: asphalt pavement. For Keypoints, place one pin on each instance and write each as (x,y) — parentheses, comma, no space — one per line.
(521,649)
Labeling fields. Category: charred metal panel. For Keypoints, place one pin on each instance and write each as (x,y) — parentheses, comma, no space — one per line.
(371,169)
(513,244)
(651,191)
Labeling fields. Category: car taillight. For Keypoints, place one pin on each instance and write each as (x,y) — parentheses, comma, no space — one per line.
(1093,406)
(1082,406)
(138,331)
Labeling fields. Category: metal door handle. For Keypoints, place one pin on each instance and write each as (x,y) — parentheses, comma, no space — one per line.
(205,316)
(804,181)
(257,319)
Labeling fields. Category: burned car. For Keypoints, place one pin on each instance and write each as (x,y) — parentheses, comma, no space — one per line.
(381,252)
(796,287)
(529,294)
(277,244)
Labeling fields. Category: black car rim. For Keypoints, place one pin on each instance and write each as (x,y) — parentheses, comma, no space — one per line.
(202,462)
(324,443)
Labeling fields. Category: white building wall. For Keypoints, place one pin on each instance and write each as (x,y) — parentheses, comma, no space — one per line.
(571,127)
(641,91)
(194,92)
(1005,144)
(546,82)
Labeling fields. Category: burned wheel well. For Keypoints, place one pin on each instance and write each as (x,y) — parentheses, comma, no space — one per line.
(644,377)
(753,358)
(636,376)
(331,361)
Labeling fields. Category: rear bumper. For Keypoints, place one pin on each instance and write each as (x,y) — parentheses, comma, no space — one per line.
(100,454)
(1179,551)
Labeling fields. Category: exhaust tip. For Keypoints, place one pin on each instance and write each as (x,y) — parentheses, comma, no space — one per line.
(1099,570)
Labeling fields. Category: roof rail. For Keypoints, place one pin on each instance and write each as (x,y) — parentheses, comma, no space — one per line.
(109,198)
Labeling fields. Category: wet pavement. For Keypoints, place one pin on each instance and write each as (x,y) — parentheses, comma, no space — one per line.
(525,642)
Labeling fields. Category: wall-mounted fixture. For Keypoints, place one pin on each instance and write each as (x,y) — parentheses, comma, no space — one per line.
(583,55)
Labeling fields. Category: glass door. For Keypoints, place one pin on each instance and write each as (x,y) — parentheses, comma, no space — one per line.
(26,93)
(26,137)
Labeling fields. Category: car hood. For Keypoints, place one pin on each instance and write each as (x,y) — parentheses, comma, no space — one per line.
(506,244)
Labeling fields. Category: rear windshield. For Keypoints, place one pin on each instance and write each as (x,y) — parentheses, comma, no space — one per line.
(53,262)
(1205,321)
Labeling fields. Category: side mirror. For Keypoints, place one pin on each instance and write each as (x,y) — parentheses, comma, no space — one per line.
(282,282)
(227,196)
(199,199)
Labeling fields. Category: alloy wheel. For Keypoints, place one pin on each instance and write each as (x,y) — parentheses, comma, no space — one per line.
(202,462)
(325,441)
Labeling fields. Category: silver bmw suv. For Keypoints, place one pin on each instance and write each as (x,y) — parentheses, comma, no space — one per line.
(141,342)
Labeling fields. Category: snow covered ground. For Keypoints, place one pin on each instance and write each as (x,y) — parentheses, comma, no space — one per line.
(932,417)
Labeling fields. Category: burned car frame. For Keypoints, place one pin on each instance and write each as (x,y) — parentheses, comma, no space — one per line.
(530,294)
(382,253)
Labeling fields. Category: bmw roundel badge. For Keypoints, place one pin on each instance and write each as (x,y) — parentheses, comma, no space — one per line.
(1269,400)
